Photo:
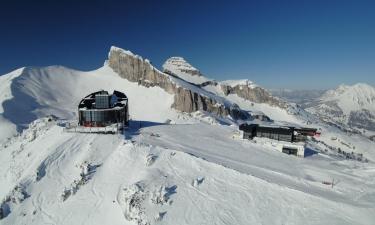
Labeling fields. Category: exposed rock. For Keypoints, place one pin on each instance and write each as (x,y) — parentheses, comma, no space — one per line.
(362,119)
(180,64)
(187,98)
(179,67)
(252,93)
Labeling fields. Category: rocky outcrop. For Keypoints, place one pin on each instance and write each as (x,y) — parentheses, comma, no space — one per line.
(187,98)
(181,65)
(135,69)
(180,68)
(253,94)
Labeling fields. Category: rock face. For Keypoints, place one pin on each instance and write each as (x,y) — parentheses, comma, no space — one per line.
(136,69)
(180,64)
(187,98)
(252,93)
(179,67)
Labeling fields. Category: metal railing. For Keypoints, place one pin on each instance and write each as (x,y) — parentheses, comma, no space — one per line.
(75,128)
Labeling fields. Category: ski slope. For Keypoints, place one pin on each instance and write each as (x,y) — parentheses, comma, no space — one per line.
(169,167)
(30,93)
(148,178)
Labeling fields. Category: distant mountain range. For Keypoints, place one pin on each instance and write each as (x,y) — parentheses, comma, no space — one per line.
(348,106)
(353,106)
(301,97)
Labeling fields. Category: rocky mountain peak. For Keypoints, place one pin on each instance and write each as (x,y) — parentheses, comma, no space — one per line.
(188,97)
(352,105)
(178,65)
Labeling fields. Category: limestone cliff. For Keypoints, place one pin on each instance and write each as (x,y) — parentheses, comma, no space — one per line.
(179,67)
(249,91)
(187,97)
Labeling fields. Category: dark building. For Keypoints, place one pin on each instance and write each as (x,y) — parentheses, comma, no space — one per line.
(289,134)
(101,109)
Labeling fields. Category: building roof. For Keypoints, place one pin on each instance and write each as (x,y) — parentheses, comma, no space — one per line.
(88,102)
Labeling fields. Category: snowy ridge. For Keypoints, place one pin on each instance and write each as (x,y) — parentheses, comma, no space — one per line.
(352,98)
(179,67)
(179,63)
(147,179)
(169,167)
(352,106)
(188,97)
(7,128)
(246,89)
(123,51)
(244,82)
(36,92)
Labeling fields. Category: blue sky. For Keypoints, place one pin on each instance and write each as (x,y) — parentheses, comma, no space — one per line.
(290,44)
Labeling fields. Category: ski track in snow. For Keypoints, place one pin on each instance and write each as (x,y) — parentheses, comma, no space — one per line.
(125,162)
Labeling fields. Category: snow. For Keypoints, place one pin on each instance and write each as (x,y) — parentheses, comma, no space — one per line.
(37,92)
(298,117)
(7,128)
(352,98)
(244,82)
(222,180)
(203,92)
(179,67)
(351,107)
(126,52)
(169,167)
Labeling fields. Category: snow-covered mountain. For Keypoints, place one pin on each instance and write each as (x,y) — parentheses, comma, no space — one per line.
(353,106)
(181,161)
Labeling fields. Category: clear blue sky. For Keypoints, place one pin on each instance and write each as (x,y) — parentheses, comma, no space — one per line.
(292,44)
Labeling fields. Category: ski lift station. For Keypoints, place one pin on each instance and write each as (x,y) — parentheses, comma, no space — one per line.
(289,140)
(101,109)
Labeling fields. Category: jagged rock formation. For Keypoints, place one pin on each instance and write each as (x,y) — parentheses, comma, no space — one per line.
(180,64)
(179,67)
(187,97)
(251,92)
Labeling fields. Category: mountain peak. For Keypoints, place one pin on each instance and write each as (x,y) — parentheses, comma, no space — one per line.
(348,104)
(180,65)
(127,52)
(358,91)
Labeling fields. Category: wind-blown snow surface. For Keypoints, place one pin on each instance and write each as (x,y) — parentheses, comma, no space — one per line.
(7,128)
(30,93)
(195,171)
(146,179)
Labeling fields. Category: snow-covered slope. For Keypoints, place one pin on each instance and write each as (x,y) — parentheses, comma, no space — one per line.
(49,176)
(191,170)
(30,93)
(348,105)
(7,129)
